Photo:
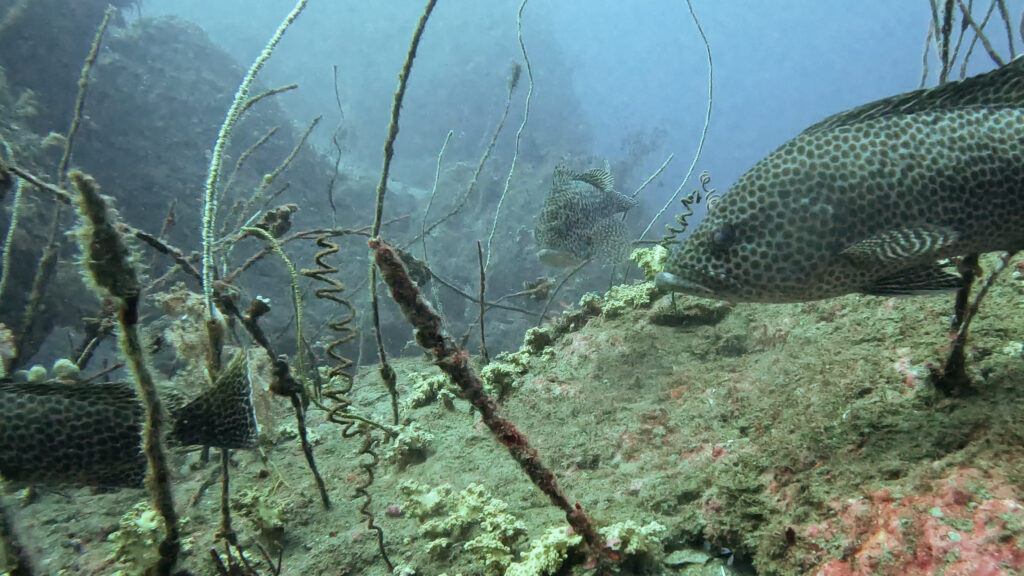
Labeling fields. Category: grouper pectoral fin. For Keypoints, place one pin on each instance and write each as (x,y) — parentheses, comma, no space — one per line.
(915,282)
(556,258)
(901,245)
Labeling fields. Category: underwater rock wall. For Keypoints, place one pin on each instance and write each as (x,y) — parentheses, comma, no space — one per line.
(156,97)
(42,46)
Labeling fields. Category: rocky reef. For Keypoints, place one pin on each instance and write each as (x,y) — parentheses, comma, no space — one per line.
(786,439)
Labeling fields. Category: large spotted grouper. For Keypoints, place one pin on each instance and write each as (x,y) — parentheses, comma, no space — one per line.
(870,200)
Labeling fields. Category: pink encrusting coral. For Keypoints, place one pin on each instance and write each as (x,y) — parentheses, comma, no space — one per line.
(966,524)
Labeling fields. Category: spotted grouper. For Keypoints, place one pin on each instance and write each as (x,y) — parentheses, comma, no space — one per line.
(61,432)
(579,219)
(871,200)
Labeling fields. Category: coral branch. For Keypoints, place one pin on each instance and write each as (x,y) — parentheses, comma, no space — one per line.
(704,130)
(223,137)
(83,86)
(513,81)
(108,265)
(340,326)
(483,289)
(519,133)
(396,110)
(387,374)
(454,361)
(283,384)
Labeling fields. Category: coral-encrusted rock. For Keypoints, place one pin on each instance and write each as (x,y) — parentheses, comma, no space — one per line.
(676,310)
(967,523)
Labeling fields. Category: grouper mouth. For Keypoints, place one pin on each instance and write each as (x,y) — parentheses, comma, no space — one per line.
(672,283)
(698,282)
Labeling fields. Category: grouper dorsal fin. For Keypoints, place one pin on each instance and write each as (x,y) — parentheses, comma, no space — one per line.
(120,394)
(901,245)
(598,178)
(999,88)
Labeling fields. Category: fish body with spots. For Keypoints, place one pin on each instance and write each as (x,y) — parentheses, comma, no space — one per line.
(72,433)
(871,200)
(581,219)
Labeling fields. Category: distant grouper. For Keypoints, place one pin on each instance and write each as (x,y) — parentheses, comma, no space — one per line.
(870,200)
(578,220)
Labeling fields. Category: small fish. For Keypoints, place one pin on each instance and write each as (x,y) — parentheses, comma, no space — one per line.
(90,434)
(869,200)
(578,219)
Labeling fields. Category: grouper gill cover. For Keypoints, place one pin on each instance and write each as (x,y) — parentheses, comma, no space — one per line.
(870,200)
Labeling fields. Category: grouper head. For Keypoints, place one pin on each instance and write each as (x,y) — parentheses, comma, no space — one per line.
(769,240)
(756,244)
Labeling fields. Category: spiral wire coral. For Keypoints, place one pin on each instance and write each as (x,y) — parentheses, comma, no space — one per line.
(340,371)
(342,328)
(707,195)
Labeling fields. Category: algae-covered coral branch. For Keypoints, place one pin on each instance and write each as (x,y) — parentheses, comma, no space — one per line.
(109,269)
(454,361)
(223,137)
(387,373)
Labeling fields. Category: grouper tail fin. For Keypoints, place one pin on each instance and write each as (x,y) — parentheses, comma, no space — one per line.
(222,416)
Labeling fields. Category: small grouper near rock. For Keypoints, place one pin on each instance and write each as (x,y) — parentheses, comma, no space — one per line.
(870,200)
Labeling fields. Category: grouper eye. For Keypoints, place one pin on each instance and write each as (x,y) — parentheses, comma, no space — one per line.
(723,237)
